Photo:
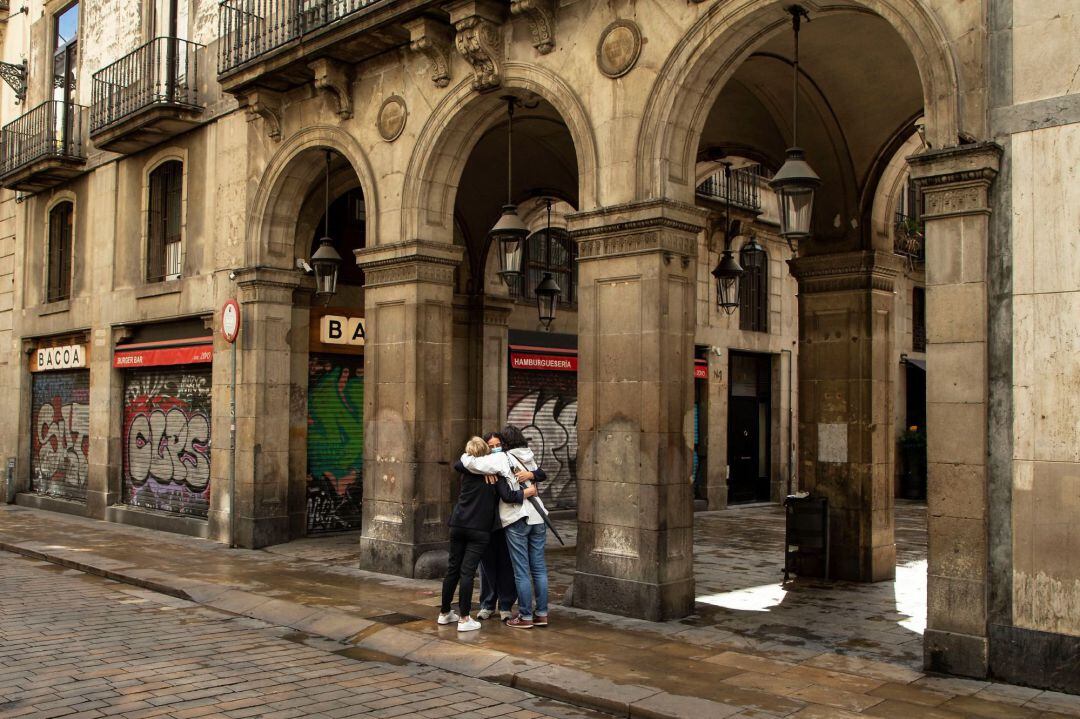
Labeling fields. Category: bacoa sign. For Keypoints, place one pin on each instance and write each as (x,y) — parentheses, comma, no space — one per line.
(45,359)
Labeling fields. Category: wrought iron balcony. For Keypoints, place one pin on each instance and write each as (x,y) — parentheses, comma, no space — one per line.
(44,147)
(740,190)
(147,96)
(909,239)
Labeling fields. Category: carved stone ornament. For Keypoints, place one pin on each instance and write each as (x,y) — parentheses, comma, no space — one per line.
(267,105)
(541,16)
(434,40)
(391,118)
(619,48)
(477,40)
(332,78)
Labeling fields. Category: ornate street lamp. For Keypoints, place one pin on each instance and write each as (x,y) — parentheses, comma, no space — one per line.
(326,261)
(752,254)
(509,232)
(728,270)
(548,291)
(796,182)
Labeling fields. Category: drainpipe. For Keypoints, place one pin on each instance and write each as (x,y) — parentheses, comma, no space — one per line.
(790,428)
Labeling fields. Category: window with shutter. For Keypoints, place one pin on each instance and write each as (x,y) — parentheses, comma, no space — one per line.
(754,293)
(59,253)
(164,258)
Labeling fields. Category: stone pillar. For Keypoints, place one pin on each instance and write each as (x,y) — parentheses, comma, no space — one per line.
(262,410)
(636,318)
(846,353)
(478,392)
(955,184)
(493,360)
(408,301)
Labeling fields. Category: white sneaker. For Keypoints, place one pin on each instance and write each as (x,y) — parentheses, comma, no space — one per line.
(503,615)
(468,624)
(449,618)
(485,613)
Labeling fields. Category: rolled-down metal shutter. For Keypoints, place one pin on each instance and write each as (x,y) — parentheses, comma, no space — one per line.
(544,405)
(166,439)
(335,442)
(60,422)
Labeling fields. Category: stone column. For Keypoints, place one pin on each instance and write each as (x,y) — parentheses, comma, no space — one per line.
(262,410)
(478,394)
(955,184)
(636,318)
(407,406)
(846,312)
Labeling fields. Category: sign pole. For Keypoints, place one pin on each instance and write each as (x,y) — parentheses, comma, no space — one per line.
(230,328)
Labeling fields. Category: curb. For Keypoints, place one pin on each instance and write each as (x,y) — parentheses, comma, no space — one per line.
(551,681)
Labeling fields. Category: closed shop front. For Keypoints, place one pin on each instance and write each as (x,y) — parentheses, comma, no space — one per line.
(60,421)
(542,401)
(335,432)
(166,426)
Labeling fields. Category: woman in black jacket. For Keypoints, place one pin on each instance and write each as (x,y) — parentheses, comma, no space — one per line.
(474,517)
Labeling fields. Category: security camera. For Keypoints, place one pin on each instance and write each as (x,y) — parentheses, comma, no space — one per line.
(232,275)
(301,264)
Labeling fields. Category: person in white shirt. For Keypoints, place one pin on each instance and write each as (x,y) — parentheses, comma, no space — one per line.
(526,533)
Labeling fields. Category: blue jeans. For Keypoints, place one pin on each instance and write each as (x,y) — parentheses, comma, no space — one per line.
(526,543)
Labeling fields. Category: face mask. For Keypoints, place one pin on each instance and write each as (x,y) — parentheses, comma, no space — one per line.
(496,449)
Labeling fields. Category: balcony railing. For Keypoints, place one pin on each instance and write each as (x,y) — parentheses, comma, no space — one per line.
(740,188)
(909,238)
(250,28)
(164,71)
(53,129)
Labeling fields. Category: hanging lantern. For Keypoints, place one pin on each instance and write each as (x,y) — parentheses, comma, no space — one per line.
(547,299)
(326,262)
(727,274)
(752,255)
(509,235)
(509,232)
(796,182)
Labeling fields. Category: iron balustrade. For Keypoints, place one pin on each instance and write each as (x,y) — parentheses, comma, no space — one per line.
(250,28)
(52,129)
(164,71)
(909,238)
(742,187)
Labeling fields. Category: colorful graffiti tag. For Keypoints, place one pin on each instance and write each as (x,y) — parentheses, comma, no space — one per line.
(60,445)
(335,442)
(544,405)
(166,440)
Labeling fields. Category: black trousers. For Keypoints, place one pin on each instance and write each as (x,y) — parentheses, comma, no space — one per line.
(466,548)
(497,575)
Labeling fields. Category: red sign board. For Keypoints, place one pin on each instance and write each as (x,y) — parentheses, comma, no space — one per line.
(559,363)
(163,356)
(701,370)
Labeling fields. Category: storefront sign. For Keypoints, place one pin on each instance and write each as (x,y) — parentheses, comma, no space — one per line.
(54,358)
(164,356)
(340,330)
(559,363)
(701,369)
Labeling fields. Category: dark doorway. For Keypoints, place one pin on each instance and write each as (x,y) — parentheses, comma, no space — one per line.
(749,420)
(701,423)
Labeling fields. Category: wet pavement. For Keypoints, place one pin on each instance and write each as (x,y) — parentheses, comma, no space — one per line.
(754,647)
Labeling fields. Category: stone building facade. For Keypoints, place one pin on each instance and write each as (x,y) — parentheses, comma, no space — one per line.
(161,158)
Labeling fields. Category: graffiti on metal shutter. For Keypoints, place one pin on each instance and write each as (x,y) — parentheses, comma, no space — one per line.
(544,405)
(335,442)
(166,439)
(60,444)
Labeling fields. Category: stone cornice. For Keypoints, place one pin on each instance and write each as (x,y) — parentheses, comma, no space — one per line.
(267,284)
(956,181)
(847,271)
(410,261)
(638,228)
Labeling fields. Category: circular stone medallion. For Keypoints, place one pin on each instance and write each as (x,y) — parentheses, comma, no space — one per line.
(392,116)
(619,48)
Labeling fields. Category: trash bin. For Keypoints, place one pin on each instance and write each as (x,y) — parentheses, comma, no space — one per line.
(806,536)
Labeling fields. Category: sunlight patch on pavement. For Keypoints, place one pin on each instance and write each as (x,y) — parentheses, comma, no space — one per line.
(910,587)
(752,599)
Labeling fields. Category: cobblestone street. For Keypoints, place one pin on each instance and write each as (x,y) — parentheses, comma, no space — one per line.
(75,645)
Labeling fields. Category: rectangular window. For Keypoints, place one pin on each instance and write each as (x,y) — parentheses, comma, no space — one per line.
(164,256)
(918,319)
(59,255)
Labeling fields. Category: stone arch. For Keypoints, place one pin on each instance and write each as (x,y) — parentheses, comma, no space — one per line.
(725,36)
(454,128)
(277,205)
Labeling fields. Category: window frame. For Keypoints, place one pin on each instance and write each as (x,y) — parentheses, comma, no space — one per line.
(533,268)
(164,182)
(754,295)
(59,269)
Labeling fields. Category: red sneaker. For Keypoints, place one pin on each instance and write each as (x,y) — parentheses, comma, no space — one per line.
(519,623)
(540,621)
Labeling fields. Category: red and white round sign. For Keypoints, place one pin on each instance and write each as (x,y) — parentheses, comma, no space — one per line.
(230,320)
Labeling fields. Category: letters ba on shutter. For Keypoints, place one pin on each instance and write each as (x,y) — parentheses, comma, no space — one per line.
(335,332)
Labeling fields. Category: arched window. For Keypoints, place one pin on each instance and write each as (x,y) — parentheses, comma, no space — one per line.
(163,258)
(61,219)
(554,253)
(754,291)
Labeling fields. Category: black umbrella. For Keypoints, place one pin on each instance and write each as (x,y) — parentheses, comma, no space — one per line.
(544,515)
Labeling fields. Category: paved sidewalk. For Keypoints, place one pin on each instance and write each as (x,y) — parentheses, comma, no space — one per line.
(742,655)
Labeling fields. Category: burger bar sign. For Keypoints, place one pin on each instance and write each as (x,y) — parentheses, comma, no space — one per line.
(45,359)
